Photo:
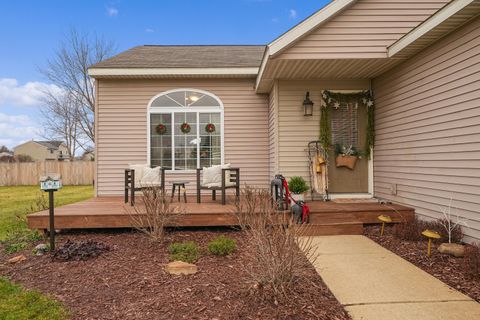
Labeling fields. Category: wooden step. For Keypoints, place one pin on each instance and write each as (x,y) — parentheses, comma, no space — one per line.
(333,229)
(329,217)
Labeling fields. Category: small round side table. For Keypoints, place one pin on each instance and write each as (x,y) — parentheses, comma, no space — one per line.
(179,185)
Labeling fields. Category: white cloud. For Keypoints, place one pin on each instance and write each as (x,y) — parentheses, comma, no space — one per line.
(148,30)
(112,11)
(292,13)
(29,94)
(275,20)
(16,129)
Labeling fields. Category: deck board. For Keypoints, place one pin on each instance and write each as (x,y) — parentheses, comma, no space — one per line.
(112,212)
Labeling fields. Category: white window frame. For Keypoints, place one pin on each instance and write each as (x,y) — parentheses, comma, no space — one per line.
(177,108)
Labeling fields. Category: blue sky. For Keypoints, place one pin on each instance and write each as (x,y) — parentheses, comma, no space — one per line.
(31,30)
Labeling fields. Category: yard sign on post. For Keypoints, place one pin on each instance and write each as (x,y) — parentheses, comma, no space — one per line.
(50,184)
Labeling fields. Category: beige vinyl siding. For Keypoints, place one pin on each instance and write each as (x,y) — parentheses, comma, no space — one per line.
(294,129)
(428,129)
(363,30)
(122,128)
(273,129)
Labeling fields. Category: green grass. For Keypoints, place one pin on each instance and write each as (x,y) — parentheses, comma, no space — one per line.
(17,303)
(16,202)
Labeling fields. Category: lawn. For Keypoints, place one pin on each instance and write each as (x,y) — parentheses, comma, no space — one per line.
(16,202)
(17,303)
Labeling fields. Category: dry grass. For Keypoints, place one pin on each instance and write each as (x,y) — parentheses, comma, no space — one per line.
(279,252)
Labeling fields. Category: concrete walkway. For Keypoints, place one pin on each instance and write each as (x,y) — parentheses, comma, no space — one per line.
(373,283)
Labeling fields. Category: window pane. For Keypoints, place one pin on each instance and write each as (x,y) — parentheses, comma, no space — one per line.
(210,143)
(161,141)
(205,101)
(179,97)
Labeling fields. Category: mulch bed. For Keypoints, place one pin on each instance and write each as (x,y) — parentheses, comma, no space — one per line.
(129,282)
(447,268)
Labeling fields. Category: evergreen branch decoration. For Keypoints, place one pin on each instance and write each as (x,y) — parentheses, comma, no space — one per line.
(325,129)
(336,99)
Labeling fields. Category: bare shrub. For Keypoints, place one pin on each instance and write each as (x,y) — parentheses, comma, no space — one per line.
(153,214)
(278,252)
(472,261)
(411,230)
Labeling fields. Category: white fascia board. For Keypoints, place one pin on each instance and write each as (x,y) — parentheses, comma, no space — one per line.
(443,14)
(97,72)
(307,25)
(266,54)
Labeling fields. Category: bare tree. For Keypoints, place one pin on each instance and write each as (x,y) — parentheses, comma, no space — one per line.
(68,69)
(61,114)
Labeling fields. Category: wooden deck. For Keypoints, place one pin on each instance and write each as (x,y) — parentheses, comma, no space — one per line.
(111,212)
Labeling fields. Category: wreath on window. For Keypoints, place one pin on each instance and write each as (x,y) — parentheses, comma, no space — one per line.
(185,127)
(210,128)
(161,128)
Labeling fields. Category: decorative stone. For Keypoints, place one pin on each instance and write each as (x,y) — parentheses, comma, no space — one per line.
(180,267)
(41,249)
(453,249)
(17,259)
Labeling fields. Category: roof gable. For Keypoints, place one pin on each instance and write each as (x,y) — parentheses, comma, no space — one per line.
(364,29)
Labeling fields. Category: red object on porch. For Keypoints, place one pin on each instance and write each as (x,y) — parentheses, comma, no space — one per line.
(288,197)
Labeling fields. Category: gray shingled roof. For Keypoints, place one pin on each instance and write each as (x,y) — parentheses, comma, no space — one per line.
(186,57)
(53,144)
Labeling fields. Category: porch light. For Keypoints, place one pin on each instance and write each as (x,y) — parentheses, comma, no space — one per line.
(307,105)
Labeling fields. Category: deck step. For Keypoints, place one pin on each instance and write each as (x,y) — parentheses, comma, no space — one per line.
(333,229)
(329,217)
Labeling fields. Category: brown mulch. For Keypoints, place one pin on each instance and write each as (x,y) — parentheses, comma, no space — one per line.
(129,282)
(447,268)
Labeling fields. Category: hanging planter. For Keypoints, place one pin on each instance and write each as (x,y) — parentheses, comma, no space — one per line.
(161,129)
(346,161)
(210,128)
(346,156)
(185,127)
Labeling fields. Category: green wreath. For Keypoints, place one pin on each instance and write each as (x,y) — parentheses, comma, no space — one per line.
(161,128)
(185,127)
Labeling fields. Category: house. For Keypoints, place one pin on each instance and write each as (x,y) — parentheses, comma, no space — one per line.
(42,150)
(6,156)
(407,71)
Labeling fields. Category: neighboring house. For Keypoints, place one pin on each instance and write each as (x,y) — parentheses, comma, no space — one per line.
(6,156)
(420,61)
(88,156)
(42,150)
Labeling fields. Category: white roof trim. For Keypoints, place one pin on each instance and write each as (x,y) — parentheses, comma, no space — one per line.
(443,14)
(307,25)
(97,72)
(262,66)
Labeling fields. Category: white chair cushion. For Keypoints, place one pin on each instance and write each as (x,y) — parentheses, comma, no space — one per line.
(151,177)
(139,168)
(212,176)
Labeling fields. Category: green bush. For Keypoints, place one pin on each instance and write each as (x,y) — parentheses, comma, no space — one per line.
(297,185)
(19,239)
(222,246)
(184,251)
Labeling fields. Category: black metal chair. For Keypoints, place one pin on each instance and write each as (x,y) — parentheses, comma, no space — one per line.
(130,186)
(234,183)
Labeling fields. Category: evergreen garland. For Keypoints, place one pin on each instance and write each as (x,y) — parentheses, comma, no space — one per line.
(336,99)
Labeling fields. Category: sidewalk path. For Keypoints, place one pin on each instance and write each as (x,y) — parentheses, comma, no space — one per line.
(373,283)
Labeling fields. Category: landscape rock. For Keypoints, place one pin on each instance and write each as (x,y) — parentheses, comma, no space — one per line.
(180,267)
(41,249)
(453,249)
(17,259)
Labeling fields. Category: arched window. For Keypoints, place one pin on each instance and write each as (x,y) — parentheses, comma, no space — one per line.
(185,130)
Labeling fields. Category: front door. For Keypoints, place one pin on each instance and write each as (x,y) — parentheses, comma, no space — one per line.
(348,124)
